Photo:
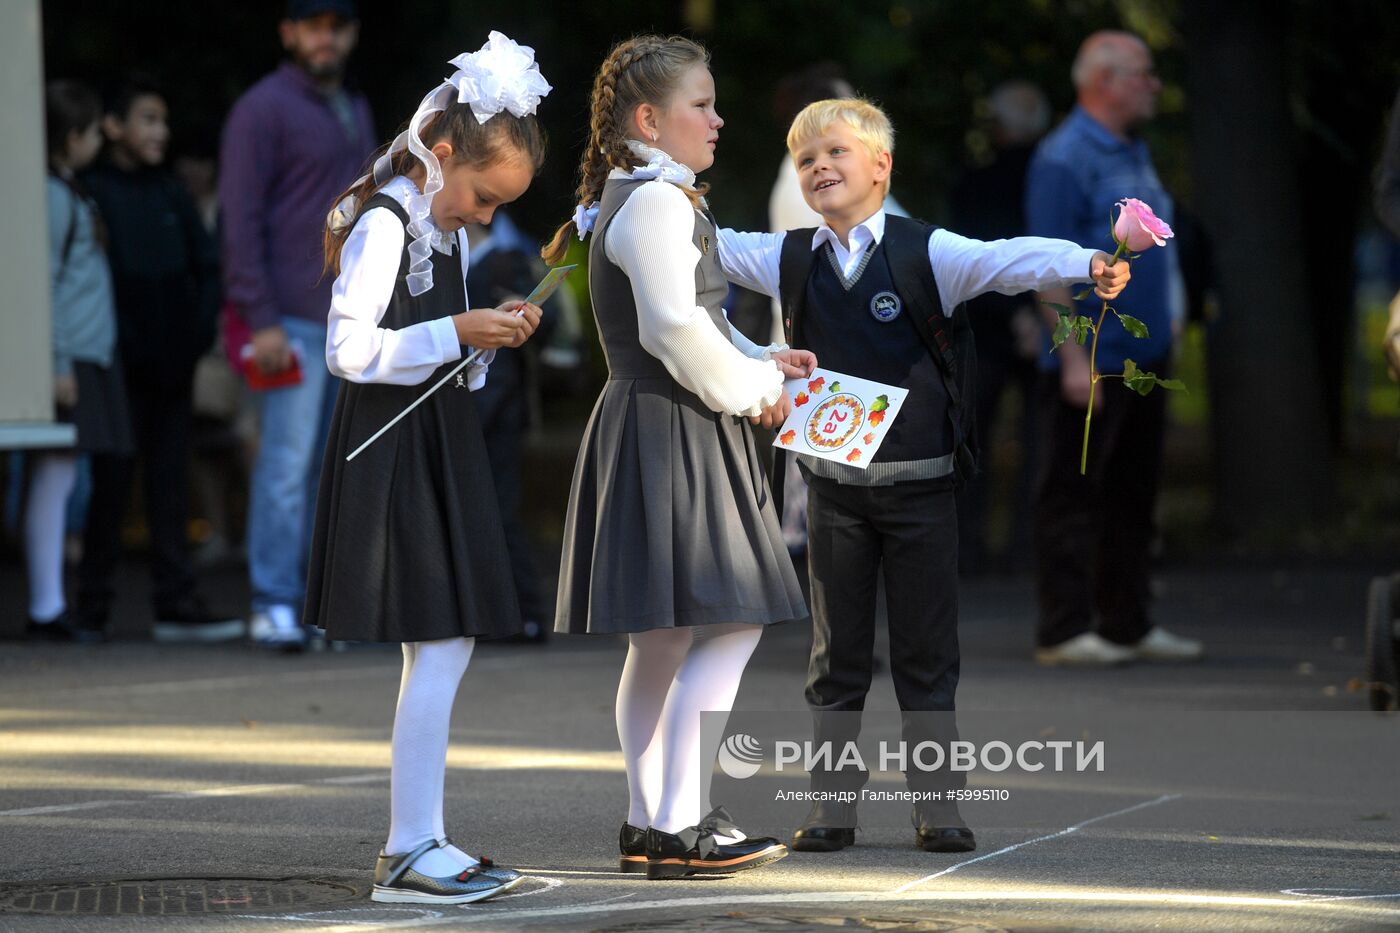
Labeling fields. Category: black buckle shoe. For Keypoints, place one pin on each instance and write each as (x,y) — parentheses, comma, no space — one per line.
(632,844)
(694,851)
(829,827)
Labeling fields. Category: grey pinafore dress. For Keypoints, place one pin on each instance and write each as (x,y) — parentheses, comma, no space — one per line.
(670,520)
(408,543)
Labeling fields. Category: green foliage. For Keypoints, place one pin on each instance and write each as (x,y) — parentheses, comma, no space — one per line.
(1131,324)
(1142,382)
(1070,324)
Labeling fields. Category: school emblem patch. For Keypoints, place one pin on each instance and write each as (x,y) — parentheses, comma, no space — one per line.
(885,307)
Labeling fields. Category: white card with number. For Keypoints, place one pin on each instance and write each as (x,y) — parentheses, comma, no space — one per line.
(838,417)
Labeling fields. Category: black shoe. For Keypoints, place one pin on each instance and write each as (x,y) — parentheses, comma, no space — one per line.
(829,827)
(945,839)
(191,621)
(63,629)
(942,829)
(632,843)
(693,850)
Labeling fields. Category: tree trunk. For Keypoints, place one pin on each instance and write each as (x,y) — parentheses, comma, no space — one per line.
(1273,469)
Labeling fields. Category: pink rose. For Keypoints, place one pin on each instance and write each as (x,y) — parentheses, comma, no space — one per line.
(1139,227)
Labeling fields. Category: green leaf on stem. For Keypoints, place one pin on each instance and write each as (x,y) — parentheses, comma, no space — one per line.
(1064,326)
(1132,325)
(1082,328)
(1142,382)
(1084,294)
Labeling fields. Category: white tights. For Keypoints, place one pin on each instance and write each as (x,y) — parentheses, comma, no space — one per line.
(50,483)
(431,672)
(670,677)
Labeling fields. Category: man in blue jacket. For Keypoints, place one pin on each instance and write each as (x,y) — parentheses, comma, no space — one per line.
(1103,520)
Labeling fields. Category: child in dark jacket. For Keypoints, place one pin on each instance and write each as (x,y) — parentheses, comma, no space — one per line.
(165,277)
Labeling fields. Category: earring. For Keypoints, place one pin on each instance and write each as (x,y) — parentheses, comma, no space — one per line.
(653,137)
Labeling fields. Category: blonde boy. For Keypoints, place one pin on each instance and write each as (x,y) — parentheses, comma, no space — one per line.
(880,297)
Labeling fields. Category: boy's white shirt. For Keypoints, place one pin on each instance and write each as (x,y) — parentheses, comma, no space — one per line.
(651,238)
(357,348)
(962,267)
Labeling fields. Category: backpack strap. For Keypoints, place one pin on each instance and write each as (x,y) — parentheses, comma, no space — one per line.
(906,248)
(794,267)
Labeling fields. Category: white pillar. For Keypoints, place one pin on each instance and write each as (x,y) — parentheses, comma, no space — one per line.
(26,356)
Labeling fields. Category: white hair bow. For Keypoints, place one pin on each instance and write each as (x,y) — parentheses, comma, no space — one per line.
(585,218)
(501,75)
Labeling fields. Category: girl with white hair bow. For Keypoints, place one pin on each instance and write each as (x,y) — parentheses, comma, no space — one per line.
(408,545)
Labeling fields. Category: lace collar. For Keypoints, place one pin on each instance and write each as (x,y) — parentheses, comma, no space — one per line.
(659,165)
(403,190)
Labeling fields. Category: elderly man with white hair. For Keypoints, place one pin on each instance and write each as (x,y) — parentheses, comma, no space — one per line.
(1093,603)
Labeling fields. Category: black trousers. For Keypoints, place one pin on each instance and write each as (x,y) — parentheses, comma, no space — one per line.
(908,531)
(161,420)
(1000,371)
(1093,533)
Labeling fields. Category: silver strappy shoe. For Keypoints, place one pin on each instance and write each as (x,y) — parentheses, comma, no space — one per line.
(396,883)
(510,876)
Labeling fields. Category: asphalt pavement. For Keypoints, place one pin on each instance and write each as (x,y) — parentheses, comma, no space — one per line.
(184,787)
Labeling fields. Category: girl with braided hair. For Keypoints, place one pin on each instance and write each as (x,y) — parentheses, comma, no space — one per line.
(671,536)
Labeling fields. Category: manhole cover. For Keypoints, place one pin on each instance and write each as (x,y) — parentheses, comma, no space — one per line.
(787,922)
(173,896)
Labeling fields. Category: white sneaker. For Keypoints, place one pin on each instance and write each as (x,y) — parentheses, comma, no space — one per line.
(1161,645)
(1086,650)
(277,627)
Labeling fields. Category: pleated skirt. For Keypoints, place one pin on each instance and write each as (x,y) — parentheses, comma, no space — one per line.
(670,522)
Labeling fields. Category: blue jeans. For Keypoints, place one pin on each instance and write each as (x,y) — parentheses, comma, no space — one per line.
(282,503)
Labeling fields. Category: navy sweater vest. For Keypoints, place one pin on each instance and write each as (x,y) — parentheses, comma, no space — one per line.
(865,328)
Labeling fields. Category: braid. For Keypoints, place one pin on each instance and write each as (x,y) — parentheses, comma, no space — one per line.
(640,69)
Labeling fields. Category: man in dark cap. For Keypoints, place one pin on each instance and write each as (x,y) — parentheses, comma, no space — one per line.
(293,142)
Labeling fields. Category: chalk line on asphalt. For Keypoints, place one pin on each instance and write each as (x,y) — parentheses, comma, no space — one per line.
(1030,842)
(231,790)
(482,913)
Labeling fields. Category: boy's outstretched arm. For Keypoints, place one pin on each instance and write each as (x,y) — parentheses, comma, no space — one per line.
(751,260)
(965,268)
